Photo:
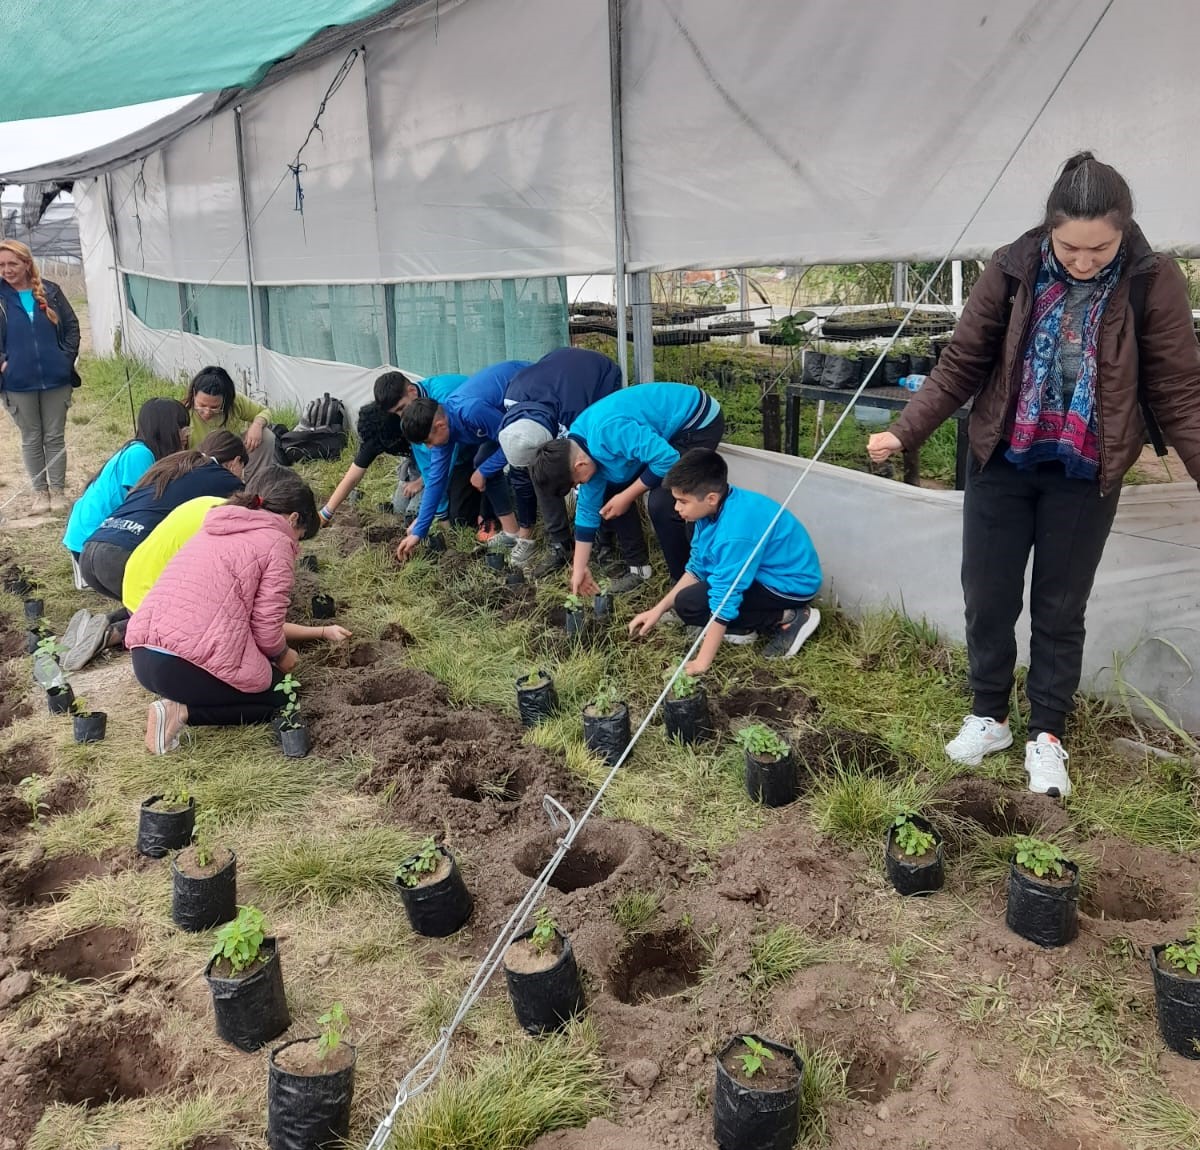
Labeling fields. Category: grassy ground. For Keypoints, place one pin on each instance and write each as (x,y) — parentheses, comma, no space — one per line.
(317,853)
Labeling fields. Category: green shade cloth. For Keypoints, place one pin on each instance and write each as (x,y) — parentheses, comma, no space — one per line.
(80,55)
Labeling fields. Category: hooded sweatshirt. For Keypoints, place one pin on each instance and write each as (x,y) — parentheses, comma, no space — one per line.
(220,603)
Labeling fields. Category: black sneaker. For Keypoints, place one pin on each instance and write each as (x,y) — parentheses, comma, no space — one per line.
(555,559)
(629,580)
(788,637)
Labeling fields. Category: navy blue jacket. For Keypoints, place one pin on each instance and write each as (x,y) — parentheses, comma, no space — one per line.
(143,511)
(561,385)
(37,355)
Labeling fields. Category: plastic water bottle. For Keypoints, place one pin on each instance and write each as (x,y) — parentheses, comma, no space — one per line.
(912,382)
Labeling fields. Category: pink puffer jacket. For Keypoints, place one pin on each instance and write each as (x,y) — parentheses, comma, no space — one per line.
(221,601)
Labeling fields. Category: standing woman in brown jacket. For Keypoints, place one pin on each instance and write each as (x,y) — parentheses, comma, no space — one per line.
(1053,341)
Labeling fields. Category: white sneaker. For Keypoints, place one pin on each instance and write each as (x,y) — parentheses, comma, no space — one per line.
(978,737)
(739,638)
(523,552)
(1046,766)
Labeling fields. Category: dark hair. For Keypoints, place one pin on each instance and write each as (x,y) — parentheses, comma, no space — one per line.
(283,492)
(212,381)
(218,447)
(416,421)
(378,426)
(159,422)
(1086,189)
(698,472)
(390,388)
(551,467)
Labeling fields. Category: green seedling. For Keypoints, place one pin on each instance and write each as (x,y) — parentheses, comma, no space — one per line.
(760,741)
(533,679)
(80,707)
(31,790)
(1039,857)
(1185,955)
(203,834)
(289,686)
(685,686)
(544,932)
(49,645)
(752,1063)
(240,942)
(910,838)
(424,862)
(604,701)
(333,1024)
(175,798)
(573,603)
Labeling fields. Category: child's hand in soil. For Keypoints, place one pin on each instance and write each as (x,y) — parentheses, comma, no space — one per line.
(641,625)
(412,487)
(335,634)
(406,547)
(584,584)
(287,661)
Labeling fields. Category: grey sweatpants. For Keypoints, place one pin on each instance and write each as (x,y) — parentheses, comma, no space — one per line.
(41,417)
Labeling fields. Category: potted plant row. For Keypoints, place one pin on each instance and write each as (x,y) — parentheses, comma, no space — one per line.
(542,977)
(310,1086)
(203,879)
(606,730)
(246,983)
(756,1105)
(166,823)
(1043,893)
(432,890)
(913,855)
(770,771)
(685,710)
(537,699)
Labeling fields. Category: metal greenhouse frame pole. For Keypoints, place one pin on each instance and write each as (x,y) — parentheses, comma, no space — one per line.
(245,205)
(614,74)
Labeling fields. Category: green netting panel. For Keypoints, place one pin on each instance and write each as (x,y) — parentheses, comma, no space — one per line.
(342,322)
(154,302)
(462,327)
(218,312)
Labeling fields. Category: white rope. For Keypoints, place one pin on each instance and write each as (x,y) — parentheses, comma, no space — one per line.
(409,1087)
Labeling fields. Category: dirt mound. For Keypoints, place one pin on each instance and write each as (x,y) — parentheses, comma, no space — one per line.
(45,881)
(12,704)
(98,952)
(23,759)
(1134,884)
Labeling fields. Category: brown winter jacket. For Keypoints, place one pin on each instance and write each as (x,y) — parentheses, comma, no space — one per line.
(984,360)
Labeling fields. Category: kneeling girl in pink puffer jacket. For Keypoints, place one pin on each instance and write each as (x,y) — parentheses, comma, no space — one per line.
(208,637)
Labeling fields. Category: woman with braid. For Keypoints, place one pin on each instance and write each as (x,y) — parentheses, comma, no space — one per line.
(39,343)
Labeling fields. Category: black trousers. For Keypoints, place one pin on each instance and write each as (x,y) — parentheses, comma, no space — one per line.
(102,566)
(1007,512)
(553,508)
(210,702)
(674,536)
(463,501)
(760,610)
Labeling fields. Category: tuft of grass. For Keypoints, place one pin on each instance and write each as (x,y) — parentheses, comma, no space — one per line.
(856,808)
(778,954)
(163,1123)
(509,1099)
(822,1086)
(634,910)
(122,899)
(1141,813)
(1157,1121)
(326,869)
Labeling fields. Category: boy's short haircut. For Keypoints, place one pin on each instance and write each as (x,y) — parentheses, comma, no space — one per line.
(416,421)
(698,472)
(390,388)
(551,467)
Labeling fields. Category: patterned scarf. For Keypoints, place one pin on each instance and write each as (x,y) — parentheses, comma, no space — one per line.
(1043,429)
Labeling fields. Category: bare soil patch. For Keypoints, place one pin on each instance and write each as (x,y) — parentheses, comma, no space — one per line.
(98,952)
(657,965)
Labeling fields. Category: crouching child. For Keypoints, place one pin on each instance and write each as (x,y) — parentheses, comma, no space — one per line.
(772,597)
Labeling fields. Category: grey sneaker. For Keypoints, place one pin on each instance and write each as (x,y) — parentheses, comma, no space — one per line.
(89,642)
(788,637)
(629,580)
(502,541)
(523,552)
(555,559)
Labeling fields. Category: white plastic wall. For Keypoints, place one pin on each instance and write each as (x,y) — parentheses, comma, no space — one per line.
(885,544)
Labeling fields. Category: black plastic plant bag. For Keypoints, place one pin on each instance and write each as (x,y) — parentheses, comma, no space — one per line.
(536,704)
(1044,914)
(814,367)
(687,719)
(607,735)
(841,373)
(250,1011)
(89,728)
(439,908)
(308,1111)
(915,878)
(895,368)
(749,1119)
(771,783)
(294,742)
(1177,1002)
(200,903)
(160,832)
(547,999)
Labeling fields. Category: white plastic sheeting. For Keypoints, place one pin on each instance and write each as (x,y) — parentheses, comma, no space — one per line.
(883,543)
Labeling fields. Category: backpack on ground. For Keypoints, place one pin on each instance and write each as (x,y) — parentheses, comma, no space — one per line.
(320,434)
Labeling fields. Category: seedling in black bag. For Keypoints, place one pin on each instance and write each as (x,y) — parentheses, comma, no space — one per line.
(533,679)
(685,686)
(758,740)
(49,645)
(1185,955)
(423,863)
(289,714)
(1039,857)
(175,798)
(240,942)
(573,603)
(910,838)
(333,1024)
(203,835)
(752,1063)
(545,932)
(604,701)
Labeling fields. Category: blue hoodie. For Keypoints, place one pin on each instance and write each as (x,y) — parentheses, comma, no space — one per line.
(786,563)
(473,413)
(627,435)
(559,387)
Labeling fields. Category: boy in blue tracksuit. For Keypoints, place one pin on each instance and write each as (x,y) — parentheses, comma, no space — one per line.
(771,597)
(379,433)
(541,402)
(470,420)
(616,450)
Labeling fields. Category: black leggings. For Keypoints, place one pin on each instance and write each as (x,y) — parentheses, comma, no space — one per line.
(760,610)
(210,702)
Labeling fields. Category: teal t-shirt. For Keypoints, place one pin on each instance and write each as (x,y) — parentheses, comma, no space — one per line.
(106,493)
(27,302)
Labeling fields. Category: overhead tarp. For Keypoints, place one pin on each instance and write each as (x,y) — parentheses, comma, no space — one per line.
(80,55)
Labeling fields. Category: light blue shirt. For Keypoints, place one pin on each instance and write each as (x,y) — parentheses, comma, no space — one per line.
(106,493)
(28,302)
